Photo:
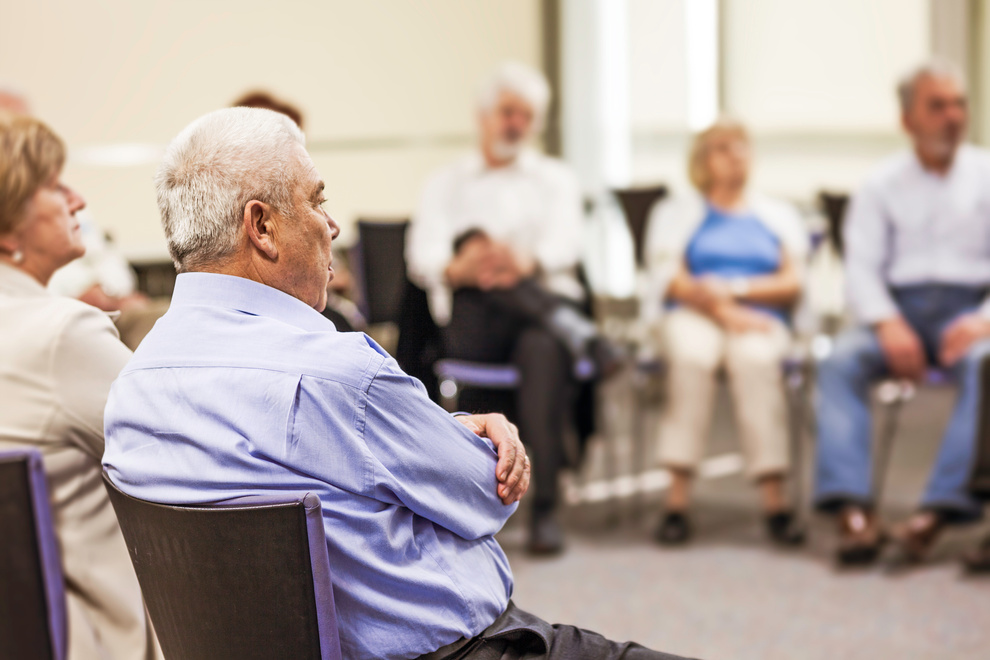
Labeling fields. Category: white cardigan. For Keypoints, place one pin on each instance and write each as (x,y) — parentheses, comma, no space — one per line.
(673,222)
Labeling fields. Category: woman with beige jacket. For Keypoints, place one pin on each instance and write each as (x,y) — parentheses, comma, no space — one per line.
(58,357)
(725,267)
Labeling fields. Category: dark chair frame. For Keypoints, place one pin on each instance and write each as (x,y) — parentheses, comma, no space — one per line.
(33,617)
(246,578)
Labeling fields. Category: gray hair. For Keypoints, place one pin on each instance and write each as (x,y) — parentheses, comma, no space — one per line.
(212,169)
(522,80)
(936,67)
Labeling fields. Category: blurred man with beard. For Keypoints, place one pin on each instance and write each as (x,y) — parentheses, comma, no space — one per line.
(918,271)
(496,243)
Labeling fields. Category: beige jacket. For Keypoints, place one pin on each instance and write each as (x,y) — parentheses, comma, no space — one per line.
(58,357)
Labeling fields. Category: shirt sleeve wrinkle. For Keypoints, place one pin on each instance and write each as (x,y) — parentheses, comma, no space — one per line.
(868,245)
(432,463)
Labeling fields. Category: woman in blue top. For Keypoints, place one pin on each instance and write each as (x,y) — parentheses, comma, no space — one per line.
(725,269)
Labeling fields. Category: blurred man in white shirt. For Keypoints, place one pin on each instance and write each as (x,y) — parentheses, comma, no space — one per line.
(496,244)
(918,270)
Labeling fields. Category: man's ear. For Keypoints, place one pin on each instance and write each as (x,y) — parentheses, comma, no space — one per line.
(260,228)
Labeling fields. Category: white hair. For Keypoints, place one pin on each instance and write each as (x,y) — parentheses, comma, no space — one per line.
(522,80)
(936,67)
(212,169)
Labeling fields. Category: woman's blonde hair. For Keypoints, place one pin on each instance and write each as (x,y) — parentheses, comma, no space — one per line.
(697,165)
(30,154)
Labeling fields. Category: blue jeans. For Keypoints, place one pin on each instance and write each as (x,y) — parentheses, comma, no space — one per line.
(843,470)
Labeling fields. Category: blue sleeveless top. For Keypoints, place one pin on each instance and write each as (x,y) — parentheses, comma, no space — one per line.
(730,245)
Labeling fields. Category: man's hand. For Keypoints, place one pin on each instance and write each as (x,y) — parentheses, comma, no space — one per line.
(960,336)
(503,268)
(902,349)
(736,318)
(487,264)
(512,470)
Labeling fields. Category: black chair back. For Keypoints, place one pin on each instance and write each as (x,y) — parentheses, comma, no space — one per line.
(380,268)
(980,483)
(636,204)
(32,591)
(243,579)
(834,205)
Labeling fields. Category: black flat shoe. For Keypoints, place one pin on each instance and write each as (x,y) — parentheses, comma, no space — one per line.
(674,529)
(783,529)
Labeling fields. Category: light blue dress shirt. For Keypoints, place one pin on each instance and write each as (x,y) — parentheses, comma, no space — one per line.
(908,226)
(242,389)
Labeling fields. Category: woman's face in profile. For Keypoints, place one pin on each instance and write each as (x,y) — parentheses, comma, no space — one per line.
(727,159)
(49,231)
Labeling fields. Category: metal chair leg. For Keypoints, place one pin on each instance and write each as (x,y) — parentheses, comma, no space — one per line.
(893,394)
(796,381)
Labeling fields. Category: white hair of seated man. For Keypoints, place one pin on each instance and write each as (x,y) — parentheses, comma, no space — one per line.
(936,67)
(212,169)
(521,80)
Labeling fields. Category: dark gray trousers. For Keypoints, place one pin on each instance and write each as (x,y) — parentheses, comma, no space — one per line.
(518,635)
(504,326)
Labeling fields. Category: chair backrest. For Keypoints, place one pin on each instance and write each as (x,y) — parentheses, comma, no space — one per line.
(245,578)
(980,482)
(379,263)
(636,204)
(32,591)
(833,205)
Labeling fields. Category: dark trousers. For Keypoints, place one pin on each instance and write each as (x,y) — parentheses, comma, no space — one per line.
(504,326)
(519,635)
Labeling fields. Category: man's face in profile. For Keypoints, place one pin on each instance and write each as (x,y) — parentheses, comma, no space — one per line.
(307,233)
(507,126)
(937,117)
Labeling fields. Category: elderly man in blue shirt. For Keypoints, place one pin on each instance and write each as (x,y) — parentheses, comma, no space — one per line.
(244,387)
(918,272)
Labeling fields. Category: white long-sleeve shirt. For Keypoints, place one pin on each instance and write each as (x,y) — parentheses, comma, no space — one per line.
(909,226)
(533,205)
(102,264)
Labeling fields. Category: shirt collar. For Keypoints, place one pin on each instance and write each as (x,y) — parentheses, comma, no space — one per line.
(15,282)
(248,296)
(962,154)
(523,163)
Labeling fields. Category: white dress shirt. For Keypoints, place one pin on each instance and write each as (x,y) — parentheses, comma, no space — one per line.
(534,205)
(102,264)
(909,226)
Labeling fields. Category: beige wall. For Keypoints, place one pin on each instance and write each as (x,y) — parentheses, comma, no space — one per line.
(813,79)
(387,86)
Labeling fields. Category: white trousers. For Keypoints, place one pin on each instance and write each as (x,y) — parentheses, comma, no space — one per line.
(697,349)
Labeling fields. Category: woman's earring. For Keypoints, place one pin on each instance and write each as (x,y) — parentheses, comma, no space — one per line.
(17,256)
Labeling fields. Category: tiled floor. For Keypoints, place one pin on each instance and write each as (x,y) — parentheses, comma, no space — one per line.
(729,595)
